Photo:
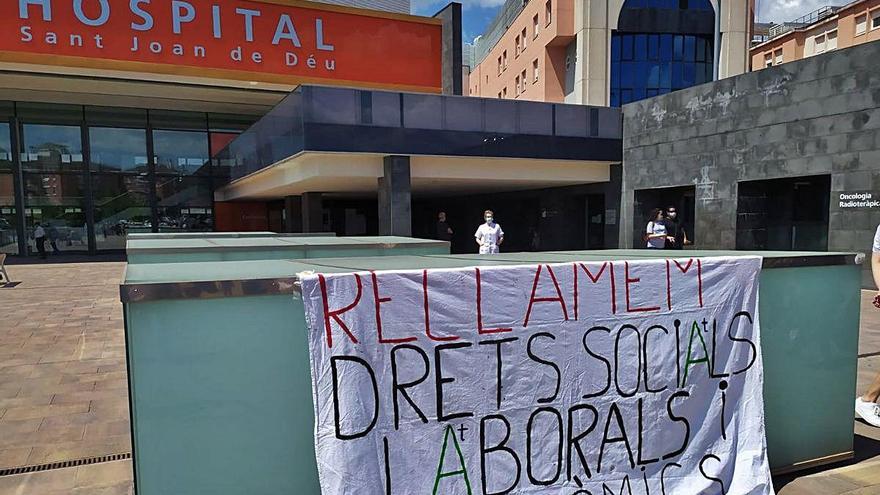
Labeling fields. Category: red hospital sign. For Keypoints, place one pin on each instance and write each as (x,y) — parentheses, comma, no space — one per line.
(278,41)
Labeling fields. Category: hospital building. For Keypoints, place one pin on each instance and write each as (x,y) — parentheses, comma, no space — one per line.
(609,52)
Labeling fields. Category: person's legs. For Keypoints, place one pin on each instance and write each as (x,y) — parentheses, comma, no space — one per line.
(873,392)
(866,405)
(41,247)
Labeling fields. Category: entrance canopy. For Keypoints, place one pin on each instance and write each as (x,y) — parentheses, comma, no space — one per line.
(337,140)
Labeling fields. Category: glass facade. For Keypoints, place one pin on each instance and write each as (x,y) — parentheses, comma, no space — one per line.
(655,62)
(89,175)
(8,212)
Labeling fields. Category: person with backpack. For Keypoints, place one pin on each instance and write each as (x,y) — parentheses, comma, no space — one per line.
(655,233)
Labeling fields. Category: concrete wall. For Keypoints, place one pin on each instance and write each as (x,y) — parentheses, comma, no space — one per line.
(815,116)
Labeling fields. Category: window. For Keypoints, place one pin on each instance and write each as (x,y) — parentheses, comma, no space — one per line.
(518,42)
(768,60)
(524,37)
(499,95)
(861,24)
(57,201)
(181,152)
(649,64)
(122,205)
(777,56)
(819,43)
(116,149)
(831,40)
(535,26)
(522,77)
(504,92)
(548,12)
(875,19)
(185,204)
(500,68)
(52,148)
(504,60)
(516,88)
(8,213)
(535,70)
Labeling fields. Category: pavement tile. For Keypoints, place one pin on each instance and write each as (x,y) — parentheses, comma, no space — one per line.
(819,485)
(26,412)
(63,451)
(105,474)
(14,457)
(57,480)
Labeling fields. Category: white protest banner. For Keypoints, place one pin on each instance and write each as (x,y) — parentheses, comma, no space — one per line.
(624,377)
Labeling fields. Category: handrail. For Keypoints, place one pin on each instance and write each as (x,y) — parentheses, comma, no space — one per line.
(804,20)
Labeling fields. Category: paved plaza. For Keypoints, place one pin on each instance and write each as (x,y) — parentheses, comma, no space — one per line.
(63,389)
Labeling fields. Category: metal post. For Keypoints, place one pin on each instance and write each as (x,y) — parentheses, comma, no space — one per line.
(89,205)
(18,185)
(716,69)
(151,177)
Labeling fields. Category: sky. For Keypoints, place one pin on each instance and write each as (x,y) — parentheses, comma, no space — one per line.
(779,11)
(477,14)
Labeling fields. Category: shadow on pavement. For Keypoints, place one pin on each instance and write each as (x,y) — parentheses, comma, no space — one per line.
(865,448)
(66,258)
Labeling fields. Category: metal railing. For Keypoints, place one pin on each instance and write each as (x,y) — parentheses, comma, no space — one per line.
(804,20)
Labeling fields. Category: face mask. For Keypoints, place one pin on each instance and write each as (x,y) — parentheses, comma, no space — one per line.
(488,219)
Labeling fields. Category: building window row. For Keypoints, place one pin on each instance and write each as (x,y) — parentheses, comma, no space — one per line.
(521,42)
(773,57)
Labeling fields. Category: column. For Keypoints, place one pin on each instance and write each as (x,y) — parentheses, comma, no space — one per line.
(395,217)
(451,73)
(613,193)
(293,216)
(312,205)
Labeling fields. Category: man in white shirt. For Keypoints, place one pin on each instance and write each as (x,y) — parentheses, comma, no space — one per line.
(489,235)
(867,406)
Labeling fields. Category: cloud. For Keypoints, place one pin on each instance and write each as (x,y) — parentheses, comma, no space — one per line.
(780,11)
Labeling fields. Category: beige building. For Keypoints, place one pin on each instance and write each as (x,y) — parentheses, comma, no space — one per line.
(609,52)
(820,31)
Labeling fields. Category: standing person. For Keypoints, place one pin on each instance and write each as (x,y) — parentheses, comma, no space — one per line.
(40,240)
(53,239)
(444,231)
(675,230)
(489,235)
(867,406)
(655,232)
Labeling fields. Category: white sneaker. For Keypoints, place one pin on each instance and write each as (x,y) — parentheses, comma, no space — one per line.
(868,411)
